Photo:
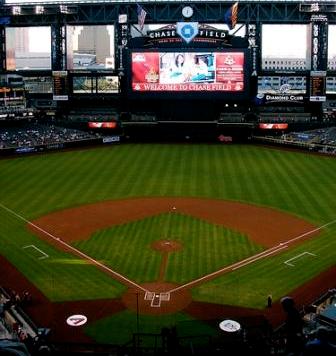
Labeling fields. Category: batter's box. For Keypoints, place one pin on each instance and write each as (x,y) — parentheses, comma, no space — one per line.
(149,296)
(165,296)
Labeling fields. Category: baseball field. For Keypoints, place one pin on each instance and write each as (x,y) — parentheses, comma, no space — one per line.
(138,237)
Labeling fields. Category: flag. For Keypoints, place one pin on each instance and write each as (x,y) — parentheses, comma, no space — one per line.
(231,16)
(141,16)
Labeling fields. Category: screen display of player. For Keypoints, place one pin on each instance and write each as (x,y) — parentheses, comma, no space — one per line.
(187,71)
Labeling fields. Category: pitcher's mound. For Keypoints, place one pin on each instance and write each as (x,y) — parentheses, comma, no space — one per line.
(166,245)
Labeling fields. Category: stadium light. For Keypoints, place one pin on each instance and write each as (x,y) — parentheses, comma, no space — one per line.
(39,9)
(63,9)
(16,10)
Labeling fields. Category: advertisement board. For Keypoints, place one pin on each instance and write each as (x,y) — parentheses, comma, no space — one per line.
(162,71)
(268,126)
(60,85)
(102,125)
(317,86)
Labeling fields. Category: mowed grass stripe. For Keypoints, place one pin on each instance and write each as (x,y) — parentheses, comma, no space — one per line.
(193,253)
(135,258)
(137,165)
(321,188)
(303,184)
(218,171)
(61,276)
(231,174)
(107,184)
(256,178)
(296,185)
(315,191)
(141,171)
(278,181)
(92,171)
(251,284)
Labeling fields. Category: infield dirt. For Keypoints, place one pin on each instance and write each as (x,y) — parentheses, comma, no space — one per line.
(265,226)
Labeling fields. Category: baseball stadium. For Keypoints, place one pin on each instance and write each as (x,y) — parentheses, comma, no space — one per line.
(167,177)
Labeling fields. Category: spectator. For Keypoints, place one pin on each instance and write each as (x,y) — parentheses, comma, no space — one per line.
(320,345)
(293,326)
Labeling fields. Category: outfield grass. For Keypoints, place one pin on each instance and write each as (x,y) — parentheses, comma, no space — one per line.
(298,183)
(205,247)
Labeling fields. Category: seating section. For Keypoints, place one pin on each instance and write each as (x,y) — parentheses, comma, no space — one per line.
(36,135)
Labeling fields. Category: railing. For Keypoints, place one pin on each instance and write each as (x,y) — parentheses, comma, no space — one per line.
(327,149)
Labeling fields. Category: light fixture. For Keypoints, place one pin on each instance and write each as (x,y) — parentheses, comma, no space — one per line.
(16,10)
(39,9)
(63,9)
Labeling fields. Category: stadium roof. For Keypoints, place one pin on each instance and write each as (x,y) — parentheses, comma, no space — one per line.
(29,2)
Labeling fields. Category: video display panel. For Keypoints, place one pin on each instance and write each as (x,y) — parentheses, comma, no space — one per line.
(102,125)
(265,126)
(188,71)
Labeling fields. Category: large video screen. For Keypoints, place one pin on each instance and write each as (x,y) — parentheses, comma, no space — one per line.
(188,71)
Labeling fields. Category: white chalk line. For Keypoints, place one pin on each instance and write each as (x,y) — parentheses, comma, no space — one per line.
(235,266)
(44,255)
(232,267)
(259,258)
(298,256)
(58,240)
(253,258)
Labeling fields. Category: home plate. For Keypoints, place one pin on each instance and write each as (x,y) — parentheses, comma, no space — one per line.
(156,301)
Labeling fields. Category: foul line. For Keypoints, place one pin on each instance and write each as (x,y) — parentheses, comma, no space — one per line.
(235,266)
(259,256)
(232,267)
(120,276)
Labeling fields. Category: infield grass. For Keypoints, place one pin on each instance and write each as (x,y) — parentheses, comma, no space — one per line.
(205,247)
(297,183)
